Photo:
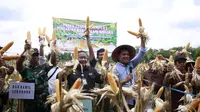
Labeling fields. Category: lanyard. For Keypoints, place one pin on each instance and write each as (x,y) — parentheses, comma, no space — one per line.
(82,74)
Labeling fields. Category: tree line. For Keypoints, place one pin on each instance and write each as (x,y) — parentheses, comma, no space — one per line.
(150,54)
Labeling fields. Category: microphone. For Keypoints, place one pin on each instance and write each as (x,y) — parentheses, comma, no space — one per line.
(131,70)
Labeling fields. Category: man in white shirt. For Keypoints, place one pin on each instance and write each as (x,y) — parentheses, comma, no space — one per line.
(53,72)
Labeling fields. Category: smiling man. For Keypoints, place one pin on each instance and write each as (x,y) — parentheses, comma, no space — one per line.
(88,75)
(126,62)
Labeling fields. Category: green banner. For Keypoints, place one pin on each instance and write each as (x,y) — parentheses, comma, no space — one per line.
(70,34)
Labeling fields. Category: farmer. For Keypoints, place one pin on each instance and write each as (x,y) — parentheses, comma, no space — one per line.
(126,61)
(155,74)
(88,74)
(176,76)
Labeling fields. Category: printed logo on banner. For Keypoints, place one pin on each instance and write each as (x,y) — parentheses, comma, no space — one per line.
(21,90)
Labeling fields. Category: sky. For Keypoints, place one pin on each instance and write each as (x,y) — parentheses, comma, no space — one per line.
(169,23)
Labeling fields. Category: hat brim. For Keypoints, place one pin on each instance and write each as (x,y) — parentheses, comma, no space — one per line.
(191,61)
(177,58)
(116,51)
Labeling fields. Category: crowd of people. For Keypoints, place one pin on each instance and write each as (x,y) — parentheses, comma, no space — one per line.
(175,76)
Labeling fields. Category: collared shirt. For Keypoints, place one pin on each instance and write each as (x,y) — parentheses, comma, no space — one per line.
(90,74)
(122,71)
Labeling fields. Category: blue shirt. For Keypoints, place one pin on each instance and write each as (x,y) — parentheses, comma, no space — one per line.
(122,71)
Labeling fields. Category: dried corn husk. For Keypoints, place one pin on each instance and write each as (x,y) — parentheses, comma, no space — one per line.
(112,83)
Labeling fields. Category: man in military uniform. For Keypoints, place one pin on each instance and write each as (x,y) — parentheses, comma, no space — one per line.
(35,72)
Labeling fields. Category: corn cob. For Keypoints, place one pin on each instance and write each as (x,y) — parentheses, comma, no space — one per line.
(197,63)
(198,109)
(90,27)
(133,33)
(77,84)
(187,46)
(173,51)
(54,34)
(5,48)
(194,104)
(105,56)
(57,90)
(48,39)
(29,36)
(87,22)
(19,77)
(140,22)
(171,59)
(75,53)
(39,31)
(10,57)
(159,93)
(95,46)
(44,31)
(82,44)
(113,84)
(158,110)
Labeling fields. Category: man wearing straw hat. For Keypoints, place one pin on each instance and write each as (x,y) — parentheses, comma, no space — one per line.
(126,61)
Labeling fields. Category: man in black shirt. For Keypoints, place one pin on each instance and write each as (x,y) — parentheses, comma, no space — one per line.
(88,75)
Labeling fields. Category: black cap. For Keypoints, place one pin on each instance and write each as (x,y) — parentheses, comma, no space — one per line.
(179,57)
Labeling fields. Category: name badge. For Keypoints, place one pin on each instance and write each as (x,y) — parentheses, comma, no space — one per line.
(84,81)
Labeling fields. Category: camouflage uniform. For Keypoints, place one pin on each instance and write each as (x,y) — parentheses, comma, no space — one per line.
(4,69)
(37,75)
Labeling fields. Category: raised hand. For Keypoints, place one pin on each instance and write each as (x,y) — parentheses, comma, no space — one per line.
(144,36)
(88,27)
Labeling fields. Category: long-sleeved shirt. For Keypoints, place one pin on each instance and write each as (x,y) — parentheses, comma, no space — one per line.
(122,71)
